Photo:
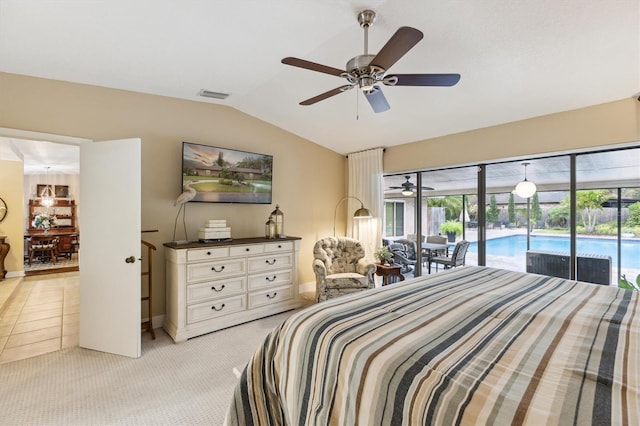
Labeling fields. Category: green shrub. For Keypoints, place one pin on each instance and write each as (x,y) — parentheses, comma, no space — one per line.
(634,215)
(623,282)
(451,226)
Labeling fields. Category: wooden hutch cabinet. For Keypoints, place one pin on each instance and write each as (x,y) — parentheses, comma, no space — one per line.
(65,228)
(63,210)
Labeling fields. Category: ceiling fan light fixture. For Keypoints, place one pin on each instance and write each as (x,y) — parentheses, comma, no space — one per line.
(366,84)
(407,192)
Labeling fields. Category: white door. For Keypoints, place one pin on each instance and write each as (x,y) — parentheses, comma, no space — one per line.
(110,251)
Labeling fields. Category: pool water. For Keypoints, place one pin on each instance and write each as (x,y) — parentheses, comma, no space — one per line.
(516,246)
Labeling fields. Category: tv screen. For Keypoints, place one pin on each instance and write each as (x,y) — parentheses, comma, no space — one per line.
(222,175)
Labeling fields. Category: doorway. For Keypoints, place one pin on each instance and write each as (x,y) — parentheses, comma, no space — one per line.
(43,308)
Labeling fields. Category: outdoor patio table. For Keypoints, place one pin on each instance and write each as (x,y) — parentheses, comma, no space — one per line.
(428,248)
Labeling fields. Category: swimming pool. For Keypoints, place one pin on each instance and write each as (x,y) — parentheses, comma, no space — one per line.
(516,246)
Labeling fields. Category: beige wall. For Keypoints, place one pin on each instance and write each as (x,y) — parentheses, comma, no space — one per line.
(11,179)
(306,200)
(598,126)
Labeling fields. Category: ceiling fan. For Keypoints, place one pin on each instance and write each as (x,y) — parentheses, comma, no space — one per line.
(408,188)
(366,71)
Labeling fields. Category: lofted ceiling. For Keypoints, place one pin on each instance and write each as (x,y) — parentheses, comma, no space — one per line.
(517,59)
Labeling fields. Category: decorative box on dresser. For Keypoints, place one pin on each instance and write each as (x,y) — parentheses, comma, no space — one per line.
(211,286)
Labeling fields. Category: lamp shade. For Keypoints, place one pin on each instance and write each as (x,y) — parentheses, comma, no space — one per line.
(525,189)
(362,213)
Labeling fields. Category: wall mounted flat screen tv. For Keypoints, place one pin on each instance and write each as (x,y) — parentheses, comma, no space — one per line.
(221,175)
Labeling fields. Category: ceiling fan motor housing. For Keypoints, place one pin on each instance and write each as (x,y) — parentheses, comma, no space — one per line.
(360,72)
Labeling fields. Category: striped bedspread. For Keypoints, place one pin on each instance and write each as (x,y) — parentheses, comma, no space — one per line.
(472,345)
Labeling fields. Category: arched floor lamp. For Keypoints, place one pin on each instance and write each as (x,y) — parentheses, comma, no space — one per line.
(361,213)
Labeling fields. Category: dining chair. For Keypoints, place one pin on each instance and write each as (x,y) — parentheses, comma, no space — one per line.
(457,258)
(44,247)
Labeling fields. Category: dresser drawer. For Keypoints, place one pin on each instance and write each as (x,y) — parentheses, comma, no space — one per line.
(216,270)
(215,289)
(271,262)
(279,246)
(269,279)
(205,311)
(268,297)
(247,250)
(196,255)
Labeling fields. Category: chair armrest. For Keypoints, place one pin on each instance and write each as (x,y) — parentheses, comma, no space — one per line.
(365,267)
(319,269)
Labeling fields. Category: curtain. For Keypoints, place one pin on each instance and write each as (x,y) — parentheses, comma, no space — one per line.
(366,184)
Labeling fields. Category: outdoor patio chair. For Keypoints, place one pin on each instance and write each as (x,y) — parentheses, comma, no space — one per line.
(457,258)
(404,254)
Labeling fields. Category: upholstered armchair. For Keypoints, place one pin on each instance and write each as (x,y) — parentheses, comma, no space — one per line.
(340,267)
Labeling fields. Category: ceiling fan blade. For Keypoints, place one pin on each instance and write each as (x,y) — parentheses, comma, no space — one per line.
(399,44)
(422,79)
(301,63)
(377,100)
(326,95)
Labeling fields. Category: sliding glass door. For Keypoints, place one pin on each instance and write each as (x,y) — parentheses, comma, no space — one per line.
(582,221)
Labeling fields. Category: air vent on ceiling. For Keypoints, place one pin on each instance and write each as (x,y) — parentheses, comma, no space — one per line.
(215,95)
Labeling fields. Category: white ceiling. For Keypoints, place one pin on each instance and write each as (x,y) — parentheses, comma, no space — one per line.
(517,59)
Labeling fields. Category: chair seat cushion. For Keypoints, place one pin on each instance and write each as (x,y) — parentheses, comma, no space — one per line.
(347,280)
(443,260)
(42,246)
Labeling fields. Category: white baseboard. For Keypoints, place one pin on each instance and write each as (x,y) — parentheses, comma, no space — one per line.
(307,287)
(15,274)
(158,320)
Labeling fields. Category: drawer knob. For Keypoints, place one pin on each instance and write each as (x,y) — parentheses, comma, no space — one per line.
(279,245)
(270,296)
(213,287)
(271,262)
(248,249)
(213,268)
(208,253)
(271,279)
(218,309)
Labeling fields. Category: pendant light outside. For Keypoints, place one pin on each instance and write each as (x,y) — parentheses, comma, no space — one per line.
(525,189)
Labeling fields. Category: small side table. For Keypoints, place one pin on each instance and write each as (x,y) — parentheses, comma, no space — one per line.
(389,274)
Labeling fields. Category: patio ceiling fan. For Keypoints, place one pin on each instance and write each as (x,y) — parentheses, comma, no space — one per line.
(408,188)
(366,71)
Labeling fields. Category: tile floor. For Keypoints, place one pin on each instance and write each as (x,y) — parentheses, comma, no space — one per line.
(41,315)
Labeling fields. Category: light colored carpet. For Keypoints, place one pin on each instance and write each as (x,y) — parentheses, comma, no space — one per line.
(189,383)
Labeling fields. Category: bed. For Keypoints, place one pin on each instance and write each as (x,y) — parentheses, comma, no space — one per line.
(471,345)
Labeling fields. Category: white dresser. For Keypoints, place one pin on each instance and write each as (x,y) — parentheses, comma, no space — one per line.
(211,286)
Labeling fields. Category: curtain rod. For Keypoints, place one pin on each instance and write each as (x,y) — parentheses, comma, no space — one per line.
(364,150)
